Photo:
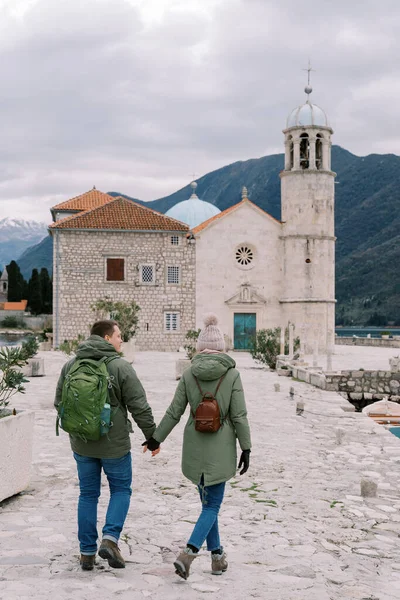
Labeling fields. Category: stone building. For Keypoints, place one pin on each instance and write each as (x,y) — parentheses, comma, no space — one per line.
(124,251)
(256,272)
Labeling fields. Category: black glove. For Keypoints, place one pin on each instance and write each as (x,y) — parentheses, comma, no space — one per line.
(244,461)
(151,444)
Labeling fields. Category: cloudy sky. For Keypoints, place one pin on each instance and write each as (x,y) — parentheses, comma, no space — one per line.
(136,95)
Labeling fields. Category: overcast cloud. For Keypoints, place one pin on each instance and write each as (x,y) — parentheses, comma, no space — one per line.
(135,95)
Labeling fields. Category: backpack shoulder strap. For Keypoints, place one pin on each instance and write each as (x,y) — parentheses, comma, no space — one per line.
(219,383)
(198,385)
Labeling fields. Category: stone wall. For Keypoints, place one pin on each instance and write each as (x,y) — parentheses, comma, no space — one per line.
(364,341)
(364,387)
(360,387)
(80,279)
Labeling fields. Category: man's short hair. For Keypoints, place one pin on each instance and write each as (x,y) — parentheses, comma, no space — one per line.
(103,328)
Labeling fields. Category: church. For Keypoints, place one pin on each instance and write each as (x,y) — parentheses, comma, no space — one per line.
(252,270)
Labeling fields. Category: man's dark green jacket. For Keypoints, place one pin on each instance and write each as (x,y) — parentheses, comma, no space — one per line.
(126,394)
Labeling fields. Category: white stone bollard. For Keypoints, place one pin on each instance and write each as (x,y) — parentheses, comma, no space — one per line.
(282,341)
(369,488)
(291,341)
(315,352)
(339,435)
(277,387)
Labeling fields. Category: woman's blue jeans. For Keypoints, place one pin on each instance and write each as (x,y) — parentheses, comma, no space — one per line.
(206,528)
(119,475)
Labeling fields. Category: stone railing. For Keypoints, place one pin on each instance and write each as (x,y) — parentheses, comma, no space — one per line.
(366,341)
(360,387)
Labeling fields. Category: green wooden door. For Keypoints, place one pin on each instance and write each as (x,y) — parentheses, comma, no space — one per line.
(244,330)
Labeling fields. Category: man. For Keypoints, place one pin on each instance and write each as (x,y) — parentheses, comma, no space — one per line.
(112,451)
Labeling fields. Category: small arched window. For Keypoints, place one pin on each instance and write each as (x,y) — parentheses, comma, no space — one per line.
(304,151)
(318,151)
(291,152)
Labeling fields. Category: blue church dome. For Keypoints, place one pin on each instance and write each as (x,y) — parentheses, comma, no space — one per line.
(193,211)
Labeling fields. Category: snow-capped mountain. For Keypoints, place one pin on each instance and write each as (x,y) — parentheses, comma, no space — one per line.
(16,235)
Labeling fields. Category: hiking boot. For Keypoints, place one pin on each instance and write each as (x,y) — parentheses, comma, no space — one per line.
(183,562)
(110,551)
(219,564)
(87,562)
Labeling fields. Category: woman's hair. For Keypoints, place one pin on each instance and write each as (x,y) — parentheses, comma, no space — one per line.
(103,328)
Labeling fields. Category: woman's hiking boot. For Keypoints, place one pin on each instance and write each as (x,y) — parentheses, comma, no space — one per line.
(219,564)
(87,561)
(183,562)
(110,551)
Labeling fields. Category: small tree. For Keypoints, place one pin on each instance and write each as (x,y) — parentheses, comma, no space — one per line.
(71,346)
(11,378)
(125,313)
(46,289)
(15,282)
(35,293)
(190,345)
(266,346)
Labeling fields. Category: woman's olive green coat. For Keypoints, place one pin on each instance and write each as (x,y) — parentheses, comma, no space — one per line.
(211,454)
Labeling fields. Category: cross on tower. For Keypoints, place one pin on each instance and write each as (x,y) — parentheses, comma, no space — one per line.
(309,70)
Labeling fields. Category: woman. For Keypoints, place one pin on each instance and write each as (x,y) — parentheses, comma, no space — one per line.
(208,459)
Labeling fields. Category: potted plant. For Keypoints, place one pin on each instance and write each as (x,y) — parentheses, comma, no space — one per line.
(127,316)
(190,348)
(385,335)
(16,427)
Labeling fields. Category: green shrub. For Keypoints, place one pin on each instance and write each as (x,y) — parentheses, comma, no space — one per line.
(266,346)
(71,346)
(385,332)
(190,346)
(30,347)
(13,322)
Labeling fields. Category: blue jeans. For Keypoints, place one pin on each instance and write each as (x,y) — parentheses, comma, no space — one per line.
(206,528)
(119,475)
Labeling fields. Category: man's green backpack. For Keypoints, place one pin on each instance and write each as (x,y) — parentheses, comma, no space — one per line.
(84,410)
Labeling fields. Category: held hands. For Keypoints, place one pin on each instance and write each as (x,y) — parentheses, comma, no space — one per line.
(152,445)
(244,461)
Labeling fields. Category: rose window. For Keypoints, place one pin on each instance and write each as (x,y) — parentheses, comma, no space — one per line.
(244,255)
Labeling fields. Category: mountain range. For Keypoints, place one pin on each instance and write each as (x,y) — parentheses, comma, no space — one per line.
(16,236)
(367,222)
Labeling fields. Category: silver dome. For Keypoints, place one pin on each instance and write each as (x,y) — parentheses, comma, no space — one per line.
(307,114)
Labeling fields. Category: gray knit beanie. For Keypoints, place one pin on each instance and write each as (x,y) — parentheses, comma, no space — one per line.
(211,337)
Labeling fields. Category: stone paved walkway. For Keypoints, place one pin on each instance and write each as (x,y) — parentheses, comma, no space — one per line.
(295,526)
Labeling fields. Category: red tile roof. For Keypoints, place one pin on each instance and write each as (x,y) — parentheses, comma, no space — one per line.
(85,201)
(120,213)
(228,210)
(15,305)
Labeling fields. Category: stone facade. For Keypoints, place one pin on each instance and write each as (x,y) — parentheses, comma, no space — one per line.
(80,279)
(226,287)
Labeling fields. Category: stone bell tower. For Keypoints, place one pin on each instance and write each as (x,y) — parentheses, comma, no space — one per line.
(4,286)
(307,195)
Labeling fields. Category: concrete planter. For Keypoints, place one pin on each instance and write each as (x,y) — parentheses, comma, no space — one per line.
(180,366)
(16,436)
(34,368)
(128,350)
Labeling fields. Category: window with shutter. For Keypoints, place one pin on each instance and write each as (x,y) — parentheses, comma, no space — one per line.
(115,269)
